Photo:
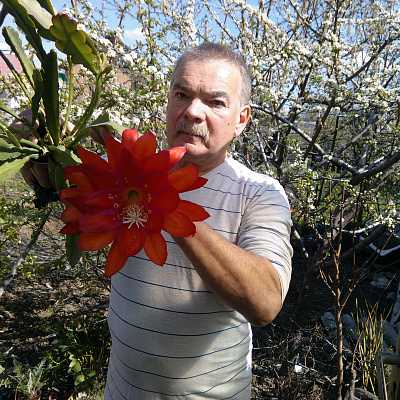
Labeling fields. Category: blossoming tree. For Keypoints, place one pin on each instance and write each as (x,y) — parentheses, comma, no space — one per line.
(326,109)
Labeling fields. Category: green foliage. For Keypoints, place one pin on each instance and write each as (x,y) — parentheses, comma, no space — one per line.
(72,41)
(19,217)
(41,86)
(81,350)
(27,381)
(369,330)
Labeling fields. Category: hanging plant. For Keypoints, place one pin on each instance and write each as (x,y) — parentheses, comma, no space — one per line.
(54,146)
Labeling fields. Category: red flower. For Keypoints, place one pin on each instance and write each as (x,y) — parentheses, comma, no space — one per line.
(129,199)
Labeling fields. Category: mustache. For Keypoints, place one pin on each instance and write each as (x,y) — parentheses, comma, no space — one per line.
(192,129)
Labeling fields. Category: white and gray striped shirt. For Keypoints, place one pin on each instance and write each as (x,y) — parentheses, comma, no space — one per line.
(172,337)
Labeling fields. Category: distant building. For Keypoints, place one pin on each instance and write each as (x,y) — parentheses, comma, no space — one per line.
(4,69)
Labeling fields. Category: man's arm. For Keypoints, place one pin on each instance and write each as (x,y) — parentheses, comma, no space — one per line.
(244,281)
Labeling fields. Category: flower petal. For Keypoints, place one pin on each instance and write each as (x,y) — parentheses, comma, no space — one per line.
(145,146)
(179,224)
(115,260)
(129,137)
(175,154)
(95,241)
(89,157)
(74,197)
(160,160)
(79,179)
(167,201)
(193,210)
(186,178)
(155,181)
(99,176)
(156,248)
(65,194)
(71,229)
(113,147)
(130,239)
(98,223)
(106,201)
(127,169)
(71,214)
(155,220)
(197,184)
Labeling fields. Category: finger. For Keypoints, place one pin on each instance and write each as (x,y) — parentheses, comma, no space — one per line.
(31,138)
(70,126)
(105,133)
(95,135)
(26,114)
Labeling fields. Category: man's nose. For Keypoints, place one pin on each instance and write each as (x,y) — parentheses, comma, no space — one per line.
(196,110)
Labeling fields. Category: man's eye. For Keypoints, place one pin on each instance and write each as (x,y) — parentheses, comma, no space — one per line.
(180,95)
(218,103)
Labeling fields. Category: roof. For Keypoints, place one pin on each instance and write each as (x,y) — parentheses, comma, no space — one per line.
(4,70)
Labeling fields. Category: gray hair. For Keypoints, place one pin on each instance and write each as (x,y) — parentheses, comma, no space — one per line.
(217,52)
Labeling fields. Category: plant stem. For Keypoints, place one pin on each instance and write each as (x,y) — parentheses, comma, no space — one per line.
(10,135)
(70,95)
(89,110)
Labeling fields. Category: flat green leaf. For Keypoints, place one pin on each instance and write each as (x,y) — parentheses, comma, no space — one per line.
(8,110)
(38,85)
(64,156)
(72,41)
(55,171)
(5,146)
(14,134)
(17,76)
(26,24)
(13,40)
(8,151)
(89,42)
(46,4)
(28,143)
(74,254)
(104,120)
(9,155)
(10,135)
(41,17)
(34,8)
(8,169)
(50,95)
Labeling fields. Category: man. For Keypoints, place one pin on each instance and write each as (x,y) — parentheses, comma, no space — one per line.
(183,330)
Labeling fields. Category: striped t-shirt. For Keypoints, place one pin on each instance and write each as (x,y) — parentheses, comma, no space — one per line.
(172,337)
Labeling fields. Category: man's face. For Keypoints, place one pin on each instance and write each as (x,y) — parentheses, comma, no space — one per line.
(204,112)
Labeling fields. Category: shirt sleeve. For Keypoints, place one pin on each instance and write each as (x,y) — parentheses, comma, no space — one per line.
(265,229)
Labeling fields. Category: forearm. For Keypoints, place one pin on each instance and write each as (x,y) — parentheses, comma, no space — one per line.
(244,281)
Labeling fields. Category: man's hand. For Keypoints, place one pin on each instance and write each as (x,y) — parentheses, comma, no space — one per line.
(27,114)
(100,135)
(17,124)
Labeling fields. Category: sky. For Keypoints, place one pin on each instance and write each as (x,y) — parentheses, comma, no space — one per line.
(130,35)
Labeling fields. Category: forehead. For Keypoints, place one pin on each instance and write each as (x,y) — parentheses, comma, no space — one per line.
(207,75)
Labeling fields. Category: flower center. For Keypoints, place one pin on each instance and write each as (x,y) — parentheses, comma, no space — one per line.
(135,214)
(133,195)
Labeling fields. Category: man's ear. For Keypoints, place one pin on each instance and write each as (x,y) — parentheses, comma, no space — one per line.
(244,116)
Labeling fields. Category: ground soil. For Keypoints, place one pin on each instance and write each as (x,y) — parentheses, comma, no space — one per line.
(31,305)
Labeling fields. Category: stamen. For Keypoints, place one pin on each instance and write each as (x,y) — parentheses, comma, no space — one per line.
(135,215)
